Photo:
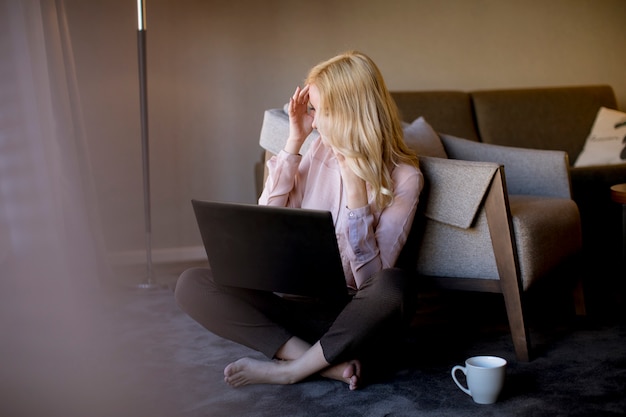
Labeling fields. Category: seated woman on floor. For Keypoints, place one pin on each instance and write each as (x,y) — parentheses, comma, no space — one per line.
(361,171)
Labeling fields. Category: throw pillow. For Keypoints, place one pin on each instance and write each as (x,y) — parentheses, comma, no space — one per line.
(606,143)
(422,138)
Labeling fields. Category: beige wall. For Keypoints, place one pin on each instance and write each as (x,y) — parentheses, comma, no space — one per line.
(214,66)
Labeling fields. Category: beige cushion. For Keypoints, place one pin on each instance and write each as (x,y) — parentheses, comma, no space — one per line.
(605,142)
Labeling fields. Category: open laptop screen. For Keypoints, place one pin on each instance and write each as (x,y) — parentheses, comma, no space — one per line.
(278,249)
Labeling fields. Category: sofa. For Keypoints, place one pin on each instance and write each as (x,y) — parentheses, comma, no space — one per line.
(551,118)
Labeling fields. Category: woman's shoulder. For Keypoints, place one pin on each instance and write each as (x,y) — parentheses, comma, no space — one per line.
(406,170)
(404,173)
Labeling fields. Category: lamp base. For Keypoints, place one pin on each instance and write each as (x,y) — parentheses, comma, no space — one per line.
(150,286)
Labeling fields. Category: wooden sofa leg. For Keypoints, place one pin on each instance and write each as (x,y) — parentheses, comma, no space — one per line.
(503,241)
(517,324)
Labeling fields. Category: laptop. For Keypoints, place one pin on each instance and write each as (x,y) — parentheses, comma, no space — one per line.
(284,250)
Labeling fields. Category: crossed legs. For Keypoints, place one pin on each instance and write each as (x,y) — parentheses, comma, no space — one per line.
(308,361)
(257,320)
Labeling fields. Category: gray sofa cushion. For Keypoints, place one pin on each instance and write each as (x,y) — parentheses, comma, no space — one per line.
(423,139)
(557,118)
(528,171)
(275,131)
(448,112)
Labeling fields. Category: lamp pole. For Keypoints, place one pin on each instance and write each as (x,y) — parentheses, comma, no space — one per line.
(145,154)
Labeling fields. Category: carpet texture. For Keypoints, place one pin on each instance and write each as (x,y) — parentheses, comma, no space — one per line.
(579,368)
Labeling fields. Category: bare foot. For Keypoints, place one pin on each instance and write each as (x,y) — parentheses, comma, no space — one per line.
(253,371)
(247,371)
(348,372)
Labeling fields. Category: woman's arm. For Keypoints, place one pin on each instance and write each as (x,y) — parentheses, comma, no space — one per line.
(282,177)
(300,120)
(356,190)
(377,243)
(280,187)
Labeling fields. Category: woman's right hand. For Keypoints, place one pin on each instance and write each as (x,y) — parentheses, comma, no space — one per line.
(300,120)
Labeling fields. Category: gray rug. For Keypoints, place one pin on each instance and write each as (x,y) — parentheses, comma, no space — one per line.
(175,366)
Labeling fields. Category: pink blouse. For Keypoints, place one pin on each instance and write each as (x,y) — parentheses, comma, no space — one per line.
(369,240)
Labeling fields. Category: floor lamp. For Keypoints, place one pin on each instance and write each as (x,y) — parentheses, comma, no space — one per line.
(149,283)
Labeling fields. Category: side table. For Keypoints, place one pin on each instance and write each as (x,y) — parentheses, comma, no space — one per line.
(618,194)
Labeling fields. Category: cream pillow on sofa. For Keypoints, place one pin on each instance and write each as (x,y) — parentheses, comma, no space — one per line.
(606,142)
(423,139)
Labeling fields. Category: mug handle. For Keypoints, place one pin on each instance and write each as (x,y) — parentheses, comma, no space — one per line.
(462,369)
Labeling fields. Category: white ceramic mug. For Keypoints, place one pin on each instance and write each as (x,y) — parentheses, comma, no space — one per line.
(485,378)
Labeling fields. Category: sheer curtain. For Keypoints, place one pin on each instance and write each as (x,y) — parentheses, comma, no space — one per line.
(55,343)
(47,206)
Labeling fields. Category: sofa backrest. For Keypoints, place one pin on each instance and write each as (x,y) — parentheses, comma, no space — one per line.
(557,118)
(448,112)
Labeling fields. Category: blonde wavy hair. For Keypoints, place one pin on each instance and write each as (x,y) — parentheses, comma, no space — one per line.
(359,119)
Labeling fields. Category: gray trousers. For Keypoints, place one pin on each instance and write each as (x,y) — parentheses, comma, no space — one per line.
(363,324)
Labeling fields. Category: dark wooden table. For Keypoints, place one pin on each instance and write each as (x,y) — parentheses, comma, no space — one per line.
(618,194)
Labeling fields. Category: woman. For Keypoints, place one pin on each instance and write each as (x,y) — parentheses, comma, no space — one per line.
(361,171)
